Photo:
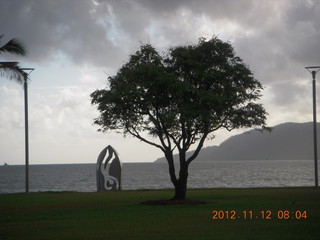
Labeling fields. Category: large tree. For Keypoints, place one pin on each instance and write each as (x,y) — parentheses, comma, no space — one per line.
(180,99)
(12,69)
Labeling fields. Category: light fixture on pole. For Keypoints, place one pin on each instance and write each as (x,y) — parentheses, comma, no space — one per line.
(25,86)
(313,70)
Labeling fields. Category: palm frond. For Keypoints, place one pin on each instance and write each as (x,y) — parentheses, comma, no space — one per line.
(14,46)
(12,71)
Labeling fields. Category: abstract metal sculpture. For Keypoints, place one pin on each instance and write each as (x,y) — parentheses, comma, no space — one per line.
(108,170)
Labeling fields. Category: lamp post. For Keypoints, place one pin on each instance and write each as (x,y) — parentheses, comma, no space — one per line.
(313,70)
(25,86)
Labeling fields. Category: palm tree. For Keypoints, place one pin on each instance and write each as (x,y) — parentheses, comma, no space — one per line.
(14,72)
(11,69)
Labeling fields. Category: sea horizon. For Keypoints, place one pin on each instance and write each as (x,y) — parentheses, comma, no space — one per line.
(156,162)
(213,174)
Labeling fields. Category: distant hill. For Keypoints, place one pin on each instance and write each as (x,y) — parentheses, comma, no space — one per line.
(287,141)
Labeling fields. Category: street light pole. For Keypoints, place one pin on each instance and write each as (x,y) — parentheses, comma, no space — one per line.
(25,86)
(313,70)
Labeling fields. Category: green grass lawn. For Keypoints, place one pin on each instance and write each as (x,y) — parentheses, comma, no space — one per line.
(120,215)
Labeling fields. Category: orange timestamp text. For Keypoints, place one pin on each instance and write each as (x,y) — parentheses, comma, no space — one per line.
(263,214)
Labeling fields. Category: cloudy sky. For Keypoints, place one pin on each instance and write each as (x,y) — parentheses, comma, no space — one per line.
(74,45)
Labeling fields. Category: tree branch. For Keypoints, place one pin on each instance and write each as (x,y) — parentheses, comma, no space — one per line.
(137,135)
(200,145)
(157,123)
(172,171)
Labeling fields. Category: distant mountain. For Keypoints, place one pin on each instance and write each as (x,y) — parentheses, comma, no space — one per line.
(287,141)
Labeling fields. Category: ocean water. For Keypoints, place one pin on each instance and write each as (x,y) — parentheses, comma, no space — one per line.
(215,174)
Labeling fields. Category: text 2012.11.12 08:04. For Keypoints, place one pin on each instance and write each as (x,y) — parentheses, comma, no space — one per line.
(264,214)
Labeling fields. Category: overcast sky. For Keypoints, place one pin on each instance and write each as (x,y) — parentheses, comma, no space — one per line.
(74,45)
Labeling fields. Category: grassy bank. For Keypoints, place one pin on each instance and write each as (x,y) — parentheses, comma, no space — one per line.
(119,215)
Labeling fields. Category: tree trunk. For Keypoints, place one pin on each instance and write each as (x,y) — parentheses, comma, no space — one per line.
(181,184)
(180,191)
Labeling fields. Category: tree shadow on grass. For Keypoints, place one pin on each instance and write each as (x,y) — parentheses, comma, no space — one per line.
(168,202)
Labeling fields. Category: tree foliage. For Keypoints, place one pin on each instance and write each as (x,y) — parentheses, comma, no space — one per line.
(180,98)
(12,69)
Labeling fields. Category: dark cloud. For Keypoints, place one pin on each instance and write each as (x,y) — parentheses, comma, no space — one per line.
(275,38)
(49,28)
(279,51)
